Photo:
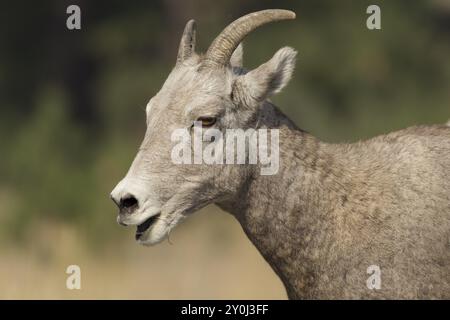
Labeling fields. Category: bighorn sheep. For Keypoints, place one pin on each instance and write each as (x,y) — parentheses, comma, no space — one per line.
(331,211)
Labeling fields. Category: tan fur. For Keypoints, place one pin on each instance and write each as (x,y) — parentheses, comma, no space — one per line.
(336,209)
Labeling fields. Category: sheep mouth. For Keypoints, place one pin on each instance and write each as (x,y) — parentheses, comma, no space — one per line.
(144,226)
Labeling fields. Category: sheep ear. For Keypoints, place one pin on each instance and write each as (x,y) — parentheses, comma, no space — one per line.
(238,56)
(268,79)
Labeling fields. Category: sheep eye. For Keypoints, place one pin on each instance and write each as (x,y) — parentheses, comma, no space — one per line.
(207,121)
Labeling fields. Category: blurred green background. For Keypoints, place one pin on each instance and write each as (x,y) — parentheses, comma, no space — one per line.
(72,117)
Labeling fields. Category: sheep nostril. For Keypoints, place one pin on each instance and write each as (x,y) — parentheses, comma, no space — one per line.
(128,202)
(117,203)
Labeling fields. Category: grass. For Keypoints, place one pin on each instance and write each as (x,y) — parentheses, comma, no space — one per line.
(209,258)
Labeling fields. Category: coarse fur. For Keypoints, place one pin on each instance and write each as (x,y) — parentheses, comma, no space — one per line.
(330,212)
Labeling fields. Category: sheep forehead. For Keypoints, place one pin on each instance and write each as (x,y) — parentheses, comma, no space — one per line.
(187,91)
(187,88)
(191,79)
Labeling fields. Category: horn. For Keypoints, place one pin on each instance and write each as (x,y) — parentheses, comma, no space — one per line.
(187,42)
(221,49)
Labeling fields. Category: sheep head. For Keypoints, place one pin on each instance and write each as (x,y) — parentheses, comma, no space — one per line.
(210,91)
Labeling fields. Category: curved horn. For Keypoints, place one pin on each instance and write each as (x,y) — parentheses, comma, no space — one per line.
(187,42)
(220,51)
